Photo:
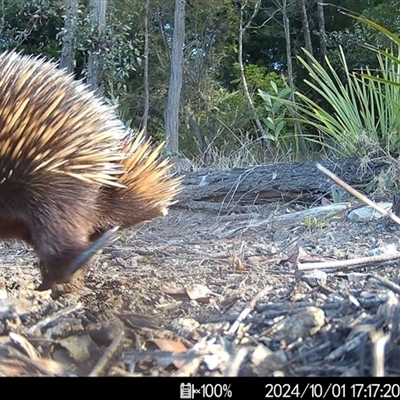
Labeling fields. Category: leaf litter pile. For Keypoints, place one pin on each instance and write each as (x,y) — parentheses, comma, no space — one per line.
(274,291)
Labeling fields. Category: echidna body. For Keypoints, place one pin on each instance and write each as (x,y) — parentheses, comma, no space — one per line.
(130,203)
(69,170)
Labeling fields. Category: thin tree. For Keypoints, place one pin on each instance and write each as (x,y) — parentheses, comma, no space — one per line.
(67,60)
(306,26)
(171,116)
(95,60)
(242,29)
(322,32)
(3,18)
(307,38)
(146,69)
(286,28)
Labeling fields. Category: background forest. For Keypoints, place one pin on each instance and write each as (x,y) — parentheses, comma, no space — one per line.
(229,83)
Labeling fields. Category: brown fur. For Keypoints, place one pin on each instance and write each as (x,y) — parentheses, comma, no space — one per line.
(69,171)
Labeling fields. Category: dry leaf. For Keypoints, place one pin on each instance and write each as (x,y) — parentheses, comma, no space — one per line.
(296,253)
(326,202)
(200,293)
(178,294)
(197,292)
(171,346)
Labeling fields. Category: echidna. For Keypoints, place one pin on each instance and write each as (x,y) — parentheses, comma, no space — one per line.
(69,170)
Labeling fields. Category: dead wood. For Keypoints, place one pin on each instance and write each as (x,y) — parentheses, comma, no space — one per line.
(272,182)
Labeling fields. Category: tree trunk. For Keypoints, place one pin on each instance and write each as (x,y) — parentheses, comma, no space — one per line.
(175,82)
(95,59)
(286,28)
(67,60)
(2,18)
(306,26)
(322,32)
(146,70)
(242,29)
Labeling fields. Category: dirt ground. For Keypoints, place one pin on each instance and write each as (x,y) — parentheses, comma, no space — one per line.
(202,294)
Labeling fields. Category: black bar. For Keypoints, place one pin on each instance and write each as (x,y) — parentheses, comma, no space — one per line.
(243,388)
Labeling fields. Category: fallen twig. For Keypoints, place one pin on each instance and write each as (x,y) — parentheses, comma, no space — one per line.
(344,264)
(46,321)
(98,368)
(242,316)
(357,194)
(387,283)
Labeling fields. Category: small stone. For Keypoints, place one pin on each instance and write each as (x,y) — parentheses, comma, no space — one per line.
(315,278)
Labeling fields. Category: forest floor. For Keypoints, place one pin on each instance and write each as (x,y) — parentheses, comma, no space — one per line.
(203,294)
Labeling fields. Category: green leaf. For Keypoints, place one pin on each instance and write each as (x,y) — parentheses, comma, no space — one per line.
(270,123)
(278,128)
(266,97)
(274,87)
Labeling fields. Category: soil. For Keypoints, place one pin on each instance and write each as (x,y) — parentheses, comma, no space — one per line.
(203,294)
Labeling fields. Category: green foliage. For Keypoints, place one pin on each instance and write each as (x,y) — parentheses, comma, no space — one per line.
(225,118)
(354,36)
(214,107)
(217,114)
(37,27)
(31,26)
(118,45)
(312,223)
(335,195)
(258,77)
(353,109)
(276,119)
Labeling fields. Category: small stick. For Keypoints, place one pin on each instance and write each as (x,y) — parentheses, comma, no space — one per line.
(247,310)
(46,321)
(357,194)
(343,264)
(387,283)
(236,362)
(107,355)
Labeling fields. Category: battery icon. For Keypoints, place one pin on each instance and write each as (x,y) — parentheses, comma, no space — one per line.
(186,391)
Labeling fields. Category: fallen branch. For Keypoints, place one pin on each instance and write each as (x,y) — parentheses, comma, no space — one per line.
(344,264)
(357,194)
